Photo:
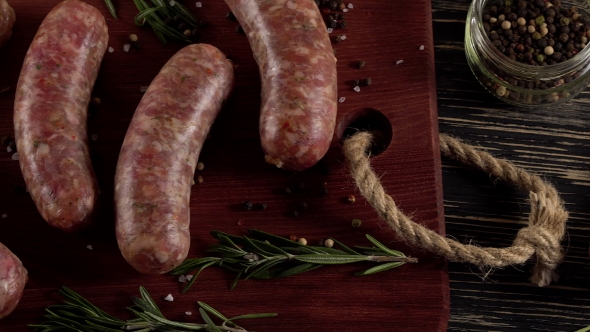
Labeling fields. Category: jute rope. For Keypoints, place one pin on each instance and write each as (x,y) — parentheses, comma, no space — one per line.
(542,236)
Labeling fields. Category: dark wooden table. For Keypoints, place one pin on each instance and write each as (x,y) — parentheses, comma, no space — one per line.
(554,143)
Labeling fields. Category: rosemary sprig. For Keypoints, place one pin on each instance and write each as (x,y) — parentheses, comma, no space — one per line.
(162,12)
(111,8)
(275,257)
(79,315)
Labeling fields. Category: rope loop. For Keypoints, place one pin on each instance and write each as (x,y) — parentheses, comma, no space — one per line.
(542,236)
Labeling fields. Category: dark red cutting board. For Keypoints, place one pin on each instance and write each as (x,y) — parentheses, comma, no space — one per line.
(410,298)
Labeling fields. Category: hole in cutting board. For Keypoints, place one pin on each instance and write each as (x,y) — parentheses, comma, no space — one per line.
(371,120)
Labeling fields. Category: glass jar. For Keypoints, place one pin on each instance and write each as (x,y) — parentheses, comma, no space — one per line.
(518,83)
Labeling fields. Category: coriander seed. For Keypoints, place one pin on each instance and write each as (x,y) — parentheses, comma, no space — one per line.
(328,243)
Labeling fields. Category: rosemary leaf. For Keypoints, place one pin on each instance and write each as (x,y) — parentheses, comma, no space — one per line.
(301,268)
(235,282)
(192,281)
(331,260)
(214,312)
(344,247)
(147,298)
(182,11)
(379,268)
(384,248)
(141,18)
(274,239)
(111,8)
(252,316)
(208,320)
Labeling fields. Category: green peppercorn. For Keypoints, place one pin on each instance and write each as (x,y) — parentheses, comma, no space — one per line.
(356,223)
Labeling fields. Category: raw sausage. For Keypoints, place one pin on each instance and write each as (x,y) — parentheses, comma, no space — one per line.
(13,277)
(7,19)
(50,109)
(159,154)
(298,73)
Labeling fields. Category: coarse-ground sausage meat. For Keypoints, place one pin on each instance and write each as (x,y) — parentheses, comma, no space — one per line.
(13,277)
(159,154)
(298,73)
(50,112)
(7,19)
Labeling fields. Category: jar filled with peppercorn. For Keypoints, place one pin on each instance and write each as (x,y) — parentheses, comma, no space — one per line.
(529,53)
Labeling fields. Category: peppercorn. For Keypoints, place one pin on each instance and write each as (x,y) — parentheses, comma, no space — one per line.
(303,206)
(263,206)
(350,199)
(199,179)
(295,213)
(248,205)
(356,82)
(356,223)
(360,64)
(302,241)
(367,82)
(293,238)
(542,43)
(328,243)
(239,29)
(342,25)
(520,48)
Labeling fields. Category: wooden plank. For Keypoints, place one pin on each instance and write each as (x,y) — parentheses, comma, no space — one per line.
(553,143)
(411,298)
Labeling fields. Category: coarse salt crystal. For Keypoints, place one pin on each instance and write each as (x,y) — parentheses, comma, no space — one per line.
(188,313)
(169,298)
(126,47)
(8,149)
(343,37)
(342,99)
(182,278)
(172,3)
(4,215)
(398,62)
(15,156)
(89,247)
(330,30)
(421,47)
(189,277)
(94,137)
(357,88)
(345,10)
(350,6)
(199,4)
(111,50)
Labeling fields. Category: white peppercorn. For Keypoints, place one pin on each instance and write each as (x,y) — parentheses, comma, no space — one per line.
(506,25)
(531,29)
(548,50)
(501,91)
(521,21)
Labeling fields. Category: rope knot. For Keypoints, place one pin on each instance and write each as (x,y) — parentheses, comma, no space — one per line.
(541,237)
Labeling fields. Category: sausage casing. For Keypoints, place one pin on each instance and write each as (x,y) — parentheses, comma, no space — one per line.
(159,154)
(50,112)
(13,277)
(7,19)
(291,45)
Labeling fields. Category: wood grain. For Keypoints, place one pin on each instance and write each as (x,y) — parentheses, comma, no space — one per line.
(554,143)
(411,298)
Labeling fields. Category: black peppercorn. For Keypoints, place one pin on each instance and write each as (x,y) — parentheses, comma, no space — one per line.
(550,12)
(239,29)
(295,213)
(565,29)
(303,206)
(248,205)
(542,43)
(486,17)
(356,82)
(361,64)
(367,82)
(520,48)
